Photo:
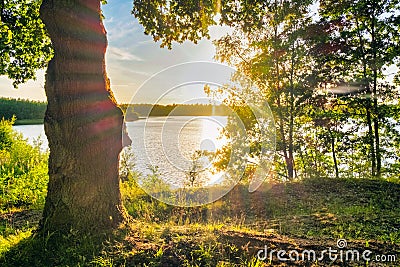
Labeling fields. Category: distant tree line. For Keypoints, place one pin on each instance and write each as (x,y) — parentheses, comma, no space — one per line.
(149,110)
(22,109)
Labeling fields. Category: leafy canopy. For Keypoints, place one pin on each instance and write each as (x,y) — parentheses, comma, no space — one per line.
(177,20)
(24,44)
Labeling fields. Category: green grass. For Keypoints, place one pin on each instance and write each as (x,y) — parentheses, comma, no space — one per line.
(315,208)
(229,232)
(226,233)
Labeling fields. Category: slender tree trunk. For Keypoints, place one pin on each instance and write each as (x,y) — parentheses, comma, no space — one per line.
(303,163)
(377,139)
(290,161)
(286,150)
(291,169)
(290,165)
(371,138)
(83,123)
(334,154)
(376,127)
(375,99)
(368,105)
(283,140)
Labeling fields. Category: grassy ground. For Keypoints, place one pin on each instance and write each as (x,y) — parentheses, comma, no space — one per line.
(310,215)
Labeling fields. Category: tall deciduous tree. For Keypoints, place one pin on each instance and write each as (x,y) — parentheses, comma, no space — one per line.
(367,40)
(83,124)
(274,53)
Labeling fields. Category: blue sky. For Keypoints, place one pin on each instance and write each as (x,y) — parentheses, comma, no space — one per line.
(132,57)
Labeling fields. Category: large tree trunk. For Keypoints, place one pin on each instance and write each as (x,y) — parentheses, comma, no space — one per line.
(83,123)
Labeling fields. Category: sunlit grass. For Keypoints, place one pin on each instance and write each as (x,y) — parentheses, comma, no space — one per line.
(327,208)
(11,240)
(318,210)
(227,232)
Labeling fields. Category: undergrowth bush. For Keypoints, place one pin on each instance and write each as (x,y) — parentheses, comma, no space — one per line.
(23,170)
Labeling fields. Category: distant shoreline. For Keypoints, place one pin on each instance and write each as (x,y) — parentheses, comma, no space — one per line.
(32,112)
(41,121)
(163,116)
(29,122)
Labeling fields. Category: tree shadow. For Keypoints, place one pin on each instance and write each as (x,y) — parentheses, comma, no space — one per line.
(56,249)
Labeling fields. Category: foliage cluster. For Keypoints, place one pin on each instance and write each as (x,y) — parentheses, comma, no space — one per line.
(322,66)
(324,76)
(23,170)
(24,44)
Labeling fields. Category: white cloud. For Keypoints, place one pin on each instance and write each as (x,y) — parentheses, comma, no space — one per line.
(121,54)
(109,20)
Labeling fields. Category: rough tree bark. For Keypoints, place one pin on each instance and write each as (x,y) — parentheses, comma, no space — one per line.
(83,123)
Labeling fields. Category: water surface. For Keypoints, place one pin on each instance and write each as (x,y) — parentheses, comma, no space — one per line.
(168,143)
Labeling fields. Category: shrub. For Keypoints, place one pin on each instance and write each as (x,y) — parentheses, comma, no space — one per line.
(23,170)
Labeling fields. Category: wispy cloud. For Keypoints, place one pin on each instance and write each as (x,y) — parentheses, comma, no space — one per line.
(121,54)
(145,42)
(109,20)
(118,31)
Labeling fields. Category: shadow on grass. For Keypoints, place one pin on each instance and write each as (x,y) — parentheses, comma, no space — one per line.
(310,214)
(52,250)
(171,246)
(194,247)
